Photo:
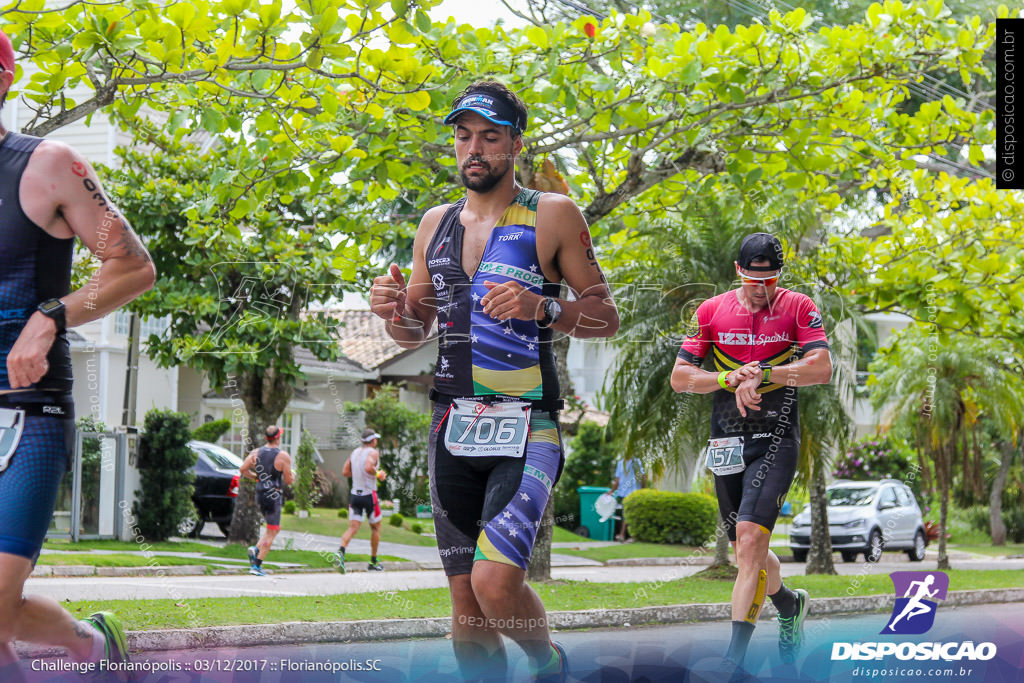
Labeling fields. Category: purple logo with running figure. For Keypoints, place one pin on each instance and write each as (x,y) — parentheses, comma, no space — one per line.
(917,596)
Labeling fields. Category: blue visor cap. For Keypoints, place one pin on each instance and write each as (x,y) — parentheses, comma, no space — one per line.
(494,109)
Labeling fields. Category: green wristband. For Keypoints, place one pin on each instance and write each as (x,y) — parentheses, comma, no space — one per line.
(721,379)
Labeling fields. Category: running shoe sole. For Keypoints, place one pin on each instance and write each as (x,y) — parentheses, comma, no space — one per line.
(116,645)
(253,554)
(789,655)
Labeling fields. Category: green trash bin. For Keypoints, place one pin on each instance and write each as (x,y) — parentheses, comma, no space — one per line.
(589,518)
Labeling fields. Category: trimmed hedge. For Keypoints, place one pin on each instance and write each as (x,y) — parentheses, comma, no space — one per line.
(211,431)
(669,517)
(164,459)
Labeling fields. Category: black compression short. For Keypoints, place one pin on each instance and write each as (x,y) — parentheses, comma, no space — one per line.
(757,493)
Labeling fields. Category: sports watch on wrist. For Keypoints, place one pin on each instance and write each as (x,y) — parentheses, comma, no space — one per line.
(552,312)
(766,371)
(54,308)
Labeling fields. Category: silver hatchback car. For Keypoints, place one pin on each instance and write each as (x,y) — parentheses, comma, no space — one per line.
(866,517)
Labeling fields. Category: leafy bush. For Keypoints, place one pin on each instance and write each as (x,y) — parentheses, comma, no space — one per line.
(396,520)
(332,494)
(591,462)
(978,516)
(968,525)
(1014,521)
(211,431)
(880,457)
(289,507)
(402,446)
(669,517)
(416,528)
(306,494)
(343,513)
(165,498)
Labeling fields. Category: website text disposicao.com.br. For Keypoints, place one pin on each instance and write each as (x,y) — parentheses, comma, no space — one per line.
(911,672)
(953,653)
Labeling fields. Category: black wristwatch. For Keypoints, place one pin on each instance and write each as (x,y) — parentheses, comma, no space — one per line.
(54,308)
(766,371)
(552,312)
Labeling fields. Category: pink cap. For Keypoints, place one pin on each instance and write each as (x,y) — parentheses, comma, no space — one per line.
(6,52)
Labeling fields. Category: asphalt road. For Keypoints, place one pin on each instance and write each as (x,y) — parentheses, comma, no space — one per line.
(684,652)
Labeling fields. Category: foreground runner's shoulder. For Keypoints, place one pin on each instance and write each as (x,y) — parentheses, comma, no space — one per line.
(428,225)
(559,212)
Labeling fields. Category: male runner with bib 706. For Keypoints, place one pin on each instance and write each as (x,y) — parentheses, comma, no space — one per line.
(487,268)
(763,342)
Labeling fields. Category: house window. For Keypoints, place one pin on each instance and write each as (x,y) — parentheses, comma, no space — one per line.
(290,424)
(123,322)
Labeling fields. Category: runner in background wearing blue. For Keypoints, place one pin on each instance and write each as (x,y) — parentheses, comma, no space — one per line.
(629,477)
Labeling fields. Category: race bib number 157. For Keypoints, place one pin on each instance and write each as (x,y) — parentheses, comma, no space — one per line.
(725,456)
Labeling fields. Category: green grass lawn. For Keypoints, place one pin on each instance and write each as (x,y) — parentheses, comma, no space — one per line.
(561,535)
(562,595)
(211,555)
(119,560)
(632,550)
(991,550)
(325,522)
(175,546)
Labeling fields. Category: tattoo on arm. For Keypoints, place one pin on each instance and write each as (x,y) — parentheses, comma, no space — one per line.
(81,631)
(131,243)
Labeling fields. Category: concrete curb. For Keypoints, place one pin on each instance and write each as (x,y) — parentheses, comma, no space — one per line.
(69,570)
(78,570)
(390,629)
(660,561)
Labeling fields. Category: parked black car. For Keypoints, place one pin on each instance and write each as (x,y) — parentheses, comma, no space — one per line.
(216,488)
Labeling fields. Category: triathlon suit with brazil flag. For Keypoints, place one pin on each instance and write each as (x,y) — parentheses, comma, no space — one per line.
(753,458)
(495,449)
(36,426)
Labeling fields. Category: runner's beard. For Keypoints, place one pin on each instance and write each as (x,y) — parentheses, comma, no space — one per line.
(484,183)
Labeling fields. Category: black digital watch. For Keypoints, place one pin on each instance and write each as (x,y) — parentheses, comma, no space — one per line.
(54,309)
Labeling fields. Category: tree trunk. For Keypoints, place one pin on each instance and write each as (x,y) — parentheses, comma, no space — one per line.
(819,557)
(265,397)
(721,545)
(945,482)
(995,499)
(539,568)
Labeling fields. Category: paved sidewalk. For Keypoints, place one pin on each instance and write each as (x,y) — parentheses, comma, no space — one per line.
(425,556)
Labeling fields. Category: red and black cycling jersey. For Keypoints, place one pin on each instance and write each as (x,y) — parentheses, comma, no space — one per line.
(733,336)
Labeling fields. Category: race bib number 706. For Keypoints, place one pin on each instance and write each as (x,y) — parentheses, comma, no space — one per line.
(482,430)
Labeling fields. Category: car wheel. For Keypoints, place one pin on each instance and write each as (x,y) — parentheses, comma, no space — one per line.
(191,525)
(583,531)
(799,555)
(849,555)
(224,527)
(916,554)
(874,551)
